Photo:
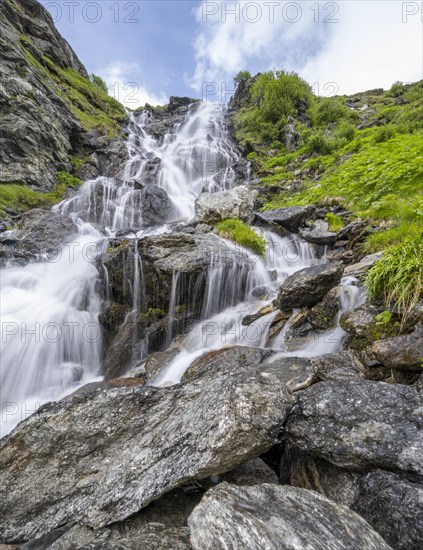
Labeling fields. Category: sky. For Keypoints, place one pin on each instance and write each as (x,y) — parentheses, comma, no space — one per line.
(148,50)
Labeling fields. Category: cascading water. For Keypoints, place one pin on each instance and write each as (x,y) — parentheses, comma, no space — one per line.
(197,154)
(51,341)
(59,298)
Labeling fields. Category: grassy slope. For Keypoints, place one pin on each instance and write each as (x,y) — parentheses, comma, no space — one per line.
(375,171)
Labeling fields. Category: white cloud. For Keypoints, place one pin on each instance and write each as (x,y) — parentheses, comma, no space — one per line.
(368,47)
(125,84)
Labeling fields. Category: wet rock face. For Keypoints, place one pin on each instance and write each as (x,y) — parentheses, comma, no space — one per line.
(161,256)
(323,315)
(43,232)
(156,206)
(361,424)
(237,203)
(319,233)
(163,120)
(291,218)
(308,286)
(277,518)
(393,506)
(224,360)
(138,442)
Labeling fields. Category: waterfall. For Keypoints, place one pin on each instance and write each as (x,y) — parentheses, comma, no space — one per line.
(197,154)
(219,328)
(51,341)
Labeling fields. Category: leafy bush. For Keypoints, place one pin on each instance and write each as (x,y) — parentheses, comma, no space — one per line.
(398,276)
(241,77)
(67,179)
(384,133)
(319,143)
(329,110)
(241,233)
(345,130)
(98,81)
(397,88)
(274,96)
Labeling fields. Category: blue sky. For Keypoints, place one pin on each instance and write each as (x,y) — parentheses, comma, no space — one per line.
(150,49)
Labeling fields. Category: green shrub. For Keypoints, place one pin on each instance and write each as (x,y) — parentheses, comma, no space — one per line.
(384,133)
(398,276)
(68,179)
(335,222)
(98,81)
(242,77)
(345,130)
(328,110)
(319,143)
(274,96)
(242,234)
(397,88)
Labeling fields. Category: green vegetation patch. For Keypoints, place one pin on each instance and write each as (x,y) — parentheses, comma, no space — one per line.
(240,233)
(21,198)
(86,98)
(335,222)
(274,96)
(398,276)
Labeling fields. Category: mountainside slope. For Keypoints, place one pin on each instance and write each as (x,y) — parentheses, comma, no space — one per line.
(47,105)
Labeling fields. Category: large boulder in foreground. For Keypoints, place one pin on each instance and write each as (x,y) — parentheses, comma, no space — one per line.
(277,518)
(290,218)
(96,459)
(308,286)
(361,424)
(394,508)
(237,203)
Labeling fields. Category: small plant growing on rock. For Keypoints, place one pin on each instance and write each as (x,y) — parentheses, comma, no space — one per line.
(241,233)
(335,222)
(383,318)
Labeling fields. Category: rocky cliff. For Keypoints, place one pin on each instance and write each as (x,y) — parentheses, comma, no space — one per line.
(53,115)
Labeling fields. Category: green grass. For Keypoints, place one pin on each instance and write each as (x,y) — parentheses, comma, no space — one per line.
(242,234)
(86,99)
(375,171)
(335,222)
(21,198)
(398,276)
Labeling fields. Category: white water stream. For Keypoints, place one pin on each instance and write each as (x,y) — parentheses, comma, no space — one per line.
(51,342)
